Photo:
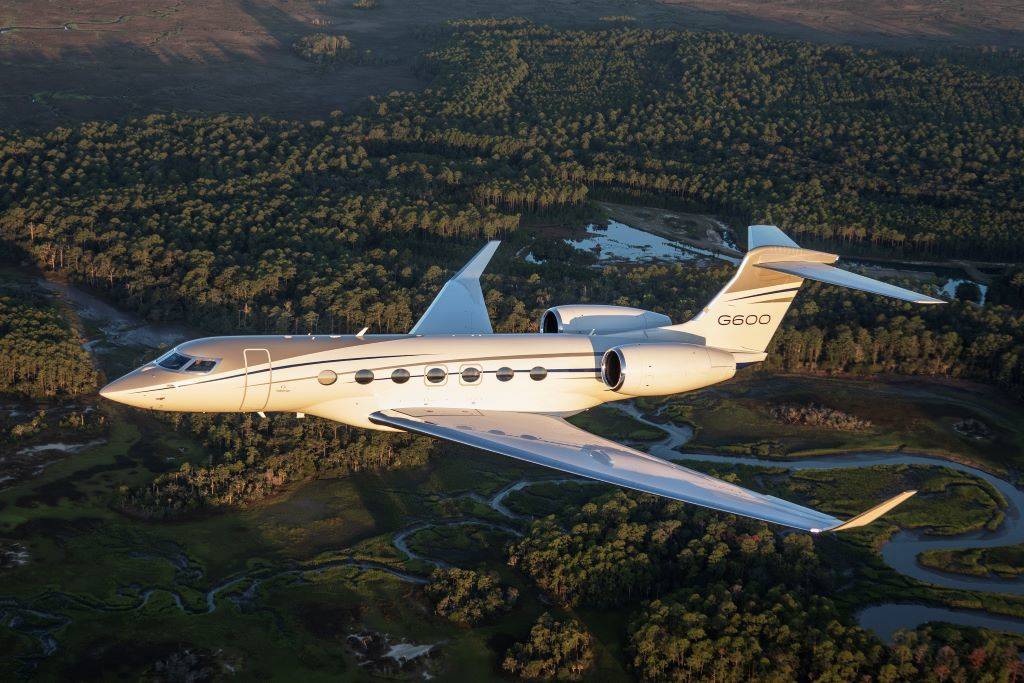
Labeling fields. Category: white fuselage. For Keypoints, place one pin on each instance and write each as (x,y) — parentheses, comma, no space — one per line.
(346,378)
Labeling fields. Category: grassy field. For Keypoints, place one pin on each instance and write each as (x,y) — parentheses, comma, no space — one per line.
(615,425)
(1007,562)
(907,415)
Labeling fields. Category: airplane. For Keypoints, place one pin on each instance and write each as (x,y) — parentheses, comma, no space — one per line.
(452,378)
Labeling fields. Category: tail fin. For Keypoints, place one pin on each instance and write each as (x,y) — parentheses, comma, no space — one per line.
(745,315)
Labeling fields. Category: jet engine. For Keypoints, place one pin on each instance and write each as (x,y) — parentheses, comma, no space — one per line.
(661,369)
(588,319)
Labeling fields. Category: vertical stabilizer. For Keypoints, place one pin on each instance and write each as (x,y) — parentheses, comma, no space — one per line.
(745,315)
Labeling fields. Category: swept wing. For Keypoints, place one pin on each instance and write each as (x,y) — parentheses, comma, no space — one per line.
(553,442)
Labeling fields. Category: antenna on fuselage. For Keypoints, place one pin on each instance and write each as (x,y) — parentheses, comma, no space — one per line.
(360,333)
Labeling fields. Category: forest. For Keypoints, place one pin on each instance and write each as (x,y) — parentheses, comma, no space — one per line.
(41,356)
(252,224)
(728,600)
(257,458)
(238,223)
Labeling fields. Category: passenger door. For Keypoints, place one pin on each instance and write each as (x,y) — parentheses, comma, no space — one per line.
(257,380)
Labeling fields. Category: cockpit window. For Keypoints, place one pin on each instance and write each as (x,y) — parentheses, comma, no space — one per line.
(175,361)
(201,365)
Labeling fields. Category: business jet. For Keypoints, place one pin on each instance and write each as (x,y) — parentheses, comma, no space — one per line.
(452,378)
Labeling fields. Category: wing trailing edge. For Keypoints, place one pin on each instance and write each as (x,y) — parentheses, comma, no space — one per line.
(552,442)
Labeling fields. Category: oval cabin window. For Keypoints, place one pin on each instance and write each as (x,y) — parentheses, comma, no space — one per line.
(436,375)
(538,373)
(327,377)
(400,376)
(364,376)
(505,374)
(471,375)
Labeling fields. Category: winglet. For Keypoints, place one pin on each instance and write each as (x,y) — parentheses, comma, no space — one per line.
(459,307)
(874,513)
(475,267)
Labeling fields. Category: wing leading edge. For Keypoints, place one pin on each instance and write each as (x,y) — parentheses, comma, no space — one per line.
(459,307)
(554,443)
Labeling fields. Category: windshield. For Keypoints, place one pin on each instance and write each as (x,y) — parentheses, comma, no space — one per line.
(201,365)
(174,361)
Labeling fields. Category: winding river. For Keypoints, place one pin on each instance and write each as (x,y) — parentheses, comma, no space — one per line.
(899,552)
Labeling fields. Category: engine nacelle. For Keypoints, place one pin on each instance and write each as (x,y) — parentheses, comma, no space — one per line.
(662,369)
(588,319)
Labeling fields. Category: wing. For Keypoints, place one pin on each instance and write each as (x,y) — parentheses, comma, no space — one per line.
(553,442)
(459,307)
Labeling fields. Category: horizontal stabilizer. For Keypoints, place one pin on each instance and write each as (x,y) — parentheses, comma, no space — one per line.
(823,272)
(874,513)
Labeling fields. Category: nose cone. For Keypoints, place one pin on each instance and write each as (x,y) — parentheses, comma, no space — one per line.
(118,390)
(134,389)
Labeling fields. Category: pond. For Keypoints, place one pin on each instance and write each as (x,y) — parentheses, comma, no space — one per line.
(620,242)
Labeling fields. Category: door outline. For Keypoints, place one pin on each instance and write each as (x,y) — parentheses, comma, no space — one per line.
(253,397)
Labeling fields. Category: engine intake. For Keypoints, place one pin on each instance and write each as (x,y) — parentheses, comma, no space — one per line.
(593,319)
(662,369)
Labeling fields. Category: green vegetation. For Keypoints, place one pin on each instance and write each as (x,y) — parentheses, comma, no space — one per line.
(555,650)
(463,544)
(813,415)
(831,331)
(614,424)
(240,223)
(41,355)
(87,561)
(1008,289)
(467,598)
(321,48)
(967,504)
(229,533)
(256,458)
(727,598)
(905,415)
(1007,561)
(735,633)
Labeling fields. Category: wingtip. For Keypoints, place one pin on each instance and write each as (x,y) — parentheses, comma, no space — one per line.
(474,268)
(865,518)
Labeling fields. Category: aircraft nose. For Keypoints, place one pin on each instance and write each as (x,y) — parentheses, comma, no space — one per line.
(114,391)
(132,388)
